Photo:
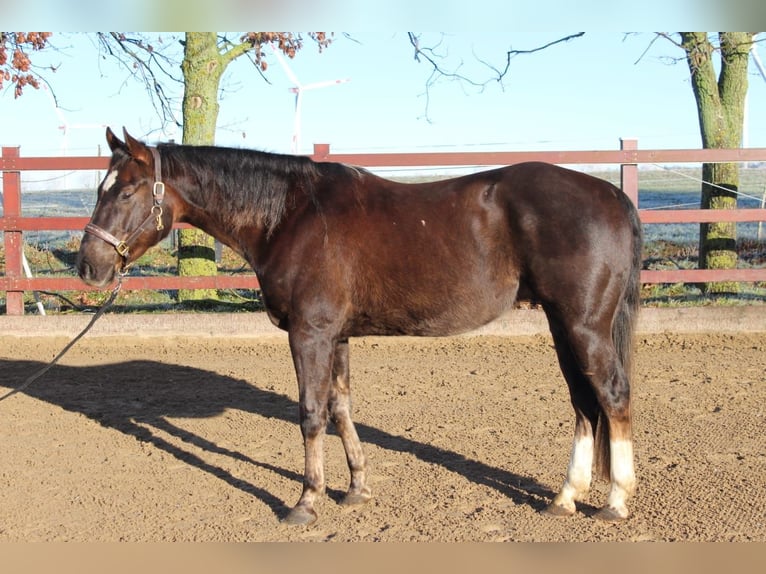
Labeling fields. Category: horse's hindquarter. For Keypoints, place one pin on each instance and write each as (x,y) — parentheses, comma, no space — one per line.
(576,231)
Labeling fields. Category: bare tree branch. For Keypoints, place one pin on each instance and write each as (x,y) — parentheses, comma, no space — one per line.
(430,55)
(657,36)
(140,58)
(678,43)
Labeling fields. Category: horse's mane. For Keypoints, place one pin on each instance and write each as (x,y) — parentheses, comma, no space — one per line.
(244,186)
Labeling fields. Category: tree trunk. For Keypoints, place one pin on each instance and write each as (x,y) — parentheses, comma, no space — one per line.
(720,105)
(202,68)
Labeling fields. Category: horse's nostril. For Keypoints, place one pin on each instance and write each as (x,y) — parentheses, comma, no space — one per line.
(85,270)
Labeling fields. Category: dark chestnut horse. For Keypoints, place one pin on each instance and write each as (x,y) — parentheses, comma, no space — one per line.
(340,252)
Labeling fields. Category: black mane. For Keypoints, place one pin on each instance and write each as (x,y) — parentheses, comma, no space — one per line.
(241,185)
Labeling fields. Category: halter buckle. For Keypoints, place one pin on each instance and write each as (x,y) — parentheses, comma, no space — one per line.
(122,248)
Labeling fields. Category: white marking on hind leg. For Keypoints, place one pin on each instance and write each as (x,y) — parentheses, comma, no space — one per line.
(579,473)
(622,476)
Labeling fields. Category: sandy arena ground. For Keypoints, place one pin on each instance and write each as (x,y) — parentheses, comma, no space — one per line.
(189,437)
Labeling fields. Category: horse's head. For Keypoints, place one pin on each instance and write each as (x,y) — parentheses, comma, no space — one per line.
(132,212)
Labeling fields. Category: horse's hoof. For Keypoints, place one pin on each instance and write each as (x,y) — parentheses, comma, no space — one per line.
(609,514)
(355,498)
(557,510)
(300,516)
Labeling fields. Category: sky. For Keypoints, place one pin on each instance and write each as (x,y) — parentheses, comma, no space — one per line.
(585,94)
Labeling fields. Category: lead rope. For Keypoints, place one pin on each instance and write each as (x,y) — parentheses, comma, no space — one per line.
(55,360)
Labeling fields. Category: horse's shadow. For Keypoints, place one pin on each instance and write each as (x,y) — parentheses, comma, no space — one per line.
(121,396)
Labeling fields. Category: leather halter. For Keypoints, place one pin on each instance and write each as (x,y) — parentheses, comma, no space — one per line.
(158,195)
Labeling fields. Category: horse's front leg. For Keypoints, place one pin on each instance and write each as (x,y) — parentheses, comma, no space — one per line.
(340,414)
(313,356)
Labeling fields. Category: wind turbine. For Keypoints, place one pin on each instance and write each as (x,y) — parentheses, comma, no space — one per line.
(757,60)
(298,90)
(65,126)
(759,65)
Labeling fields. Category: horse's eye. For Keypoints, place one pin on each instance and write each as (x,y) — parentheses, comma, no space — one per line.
(127,192)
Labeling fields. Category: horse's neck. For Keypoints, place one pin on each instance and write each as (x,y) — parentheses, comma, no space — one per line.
(210,221)
(245,235)
(246,198)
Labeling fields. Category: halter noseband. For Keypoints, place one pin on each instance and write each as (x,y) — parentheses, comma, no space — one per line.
(158,195)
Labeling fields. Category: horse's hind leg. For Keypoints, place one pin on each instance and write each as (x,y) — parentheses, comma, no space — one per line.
(579,472)
(578,479)
(340,414)
(614,435)
(605,403)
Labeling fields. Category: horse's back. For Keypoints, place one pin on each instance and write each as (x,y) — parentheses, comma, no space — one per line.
(445,257)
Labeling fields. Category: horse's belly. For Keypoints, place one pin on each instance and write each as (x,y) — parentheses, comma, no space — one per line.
(431,315)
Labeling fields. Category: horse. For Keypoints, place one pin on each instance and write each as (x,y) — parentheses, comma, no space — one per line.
(340,252)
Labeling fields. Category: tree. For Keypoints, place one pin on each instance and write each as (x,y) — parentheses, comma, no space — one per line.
(721,107)
(18,68)
(206,56)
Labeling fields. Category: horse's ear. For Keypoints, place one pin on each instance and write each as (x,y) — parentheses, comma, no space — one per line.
(137,149)
(113,141)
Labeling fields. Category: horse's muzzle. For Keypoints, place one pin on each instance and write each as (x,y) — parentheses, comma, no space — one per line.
(96,274)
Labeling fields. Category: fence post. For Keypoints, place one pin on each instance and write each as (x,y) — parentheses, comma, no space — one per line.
(629,171)
(321,152)
(14,300)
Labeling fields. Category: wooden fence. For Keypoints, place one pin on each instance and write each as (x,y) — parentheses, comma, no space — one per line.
(13,224)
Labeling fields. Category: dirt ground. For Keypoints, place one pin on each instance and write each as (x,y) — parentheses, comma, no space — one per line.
(196,439)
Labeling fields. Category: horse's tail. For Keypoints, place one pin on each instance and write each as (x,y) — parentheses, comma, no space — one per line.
(623,335)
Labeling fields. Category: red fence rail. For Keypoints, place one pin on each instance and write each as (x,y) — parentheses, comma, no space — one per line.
(13,224)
